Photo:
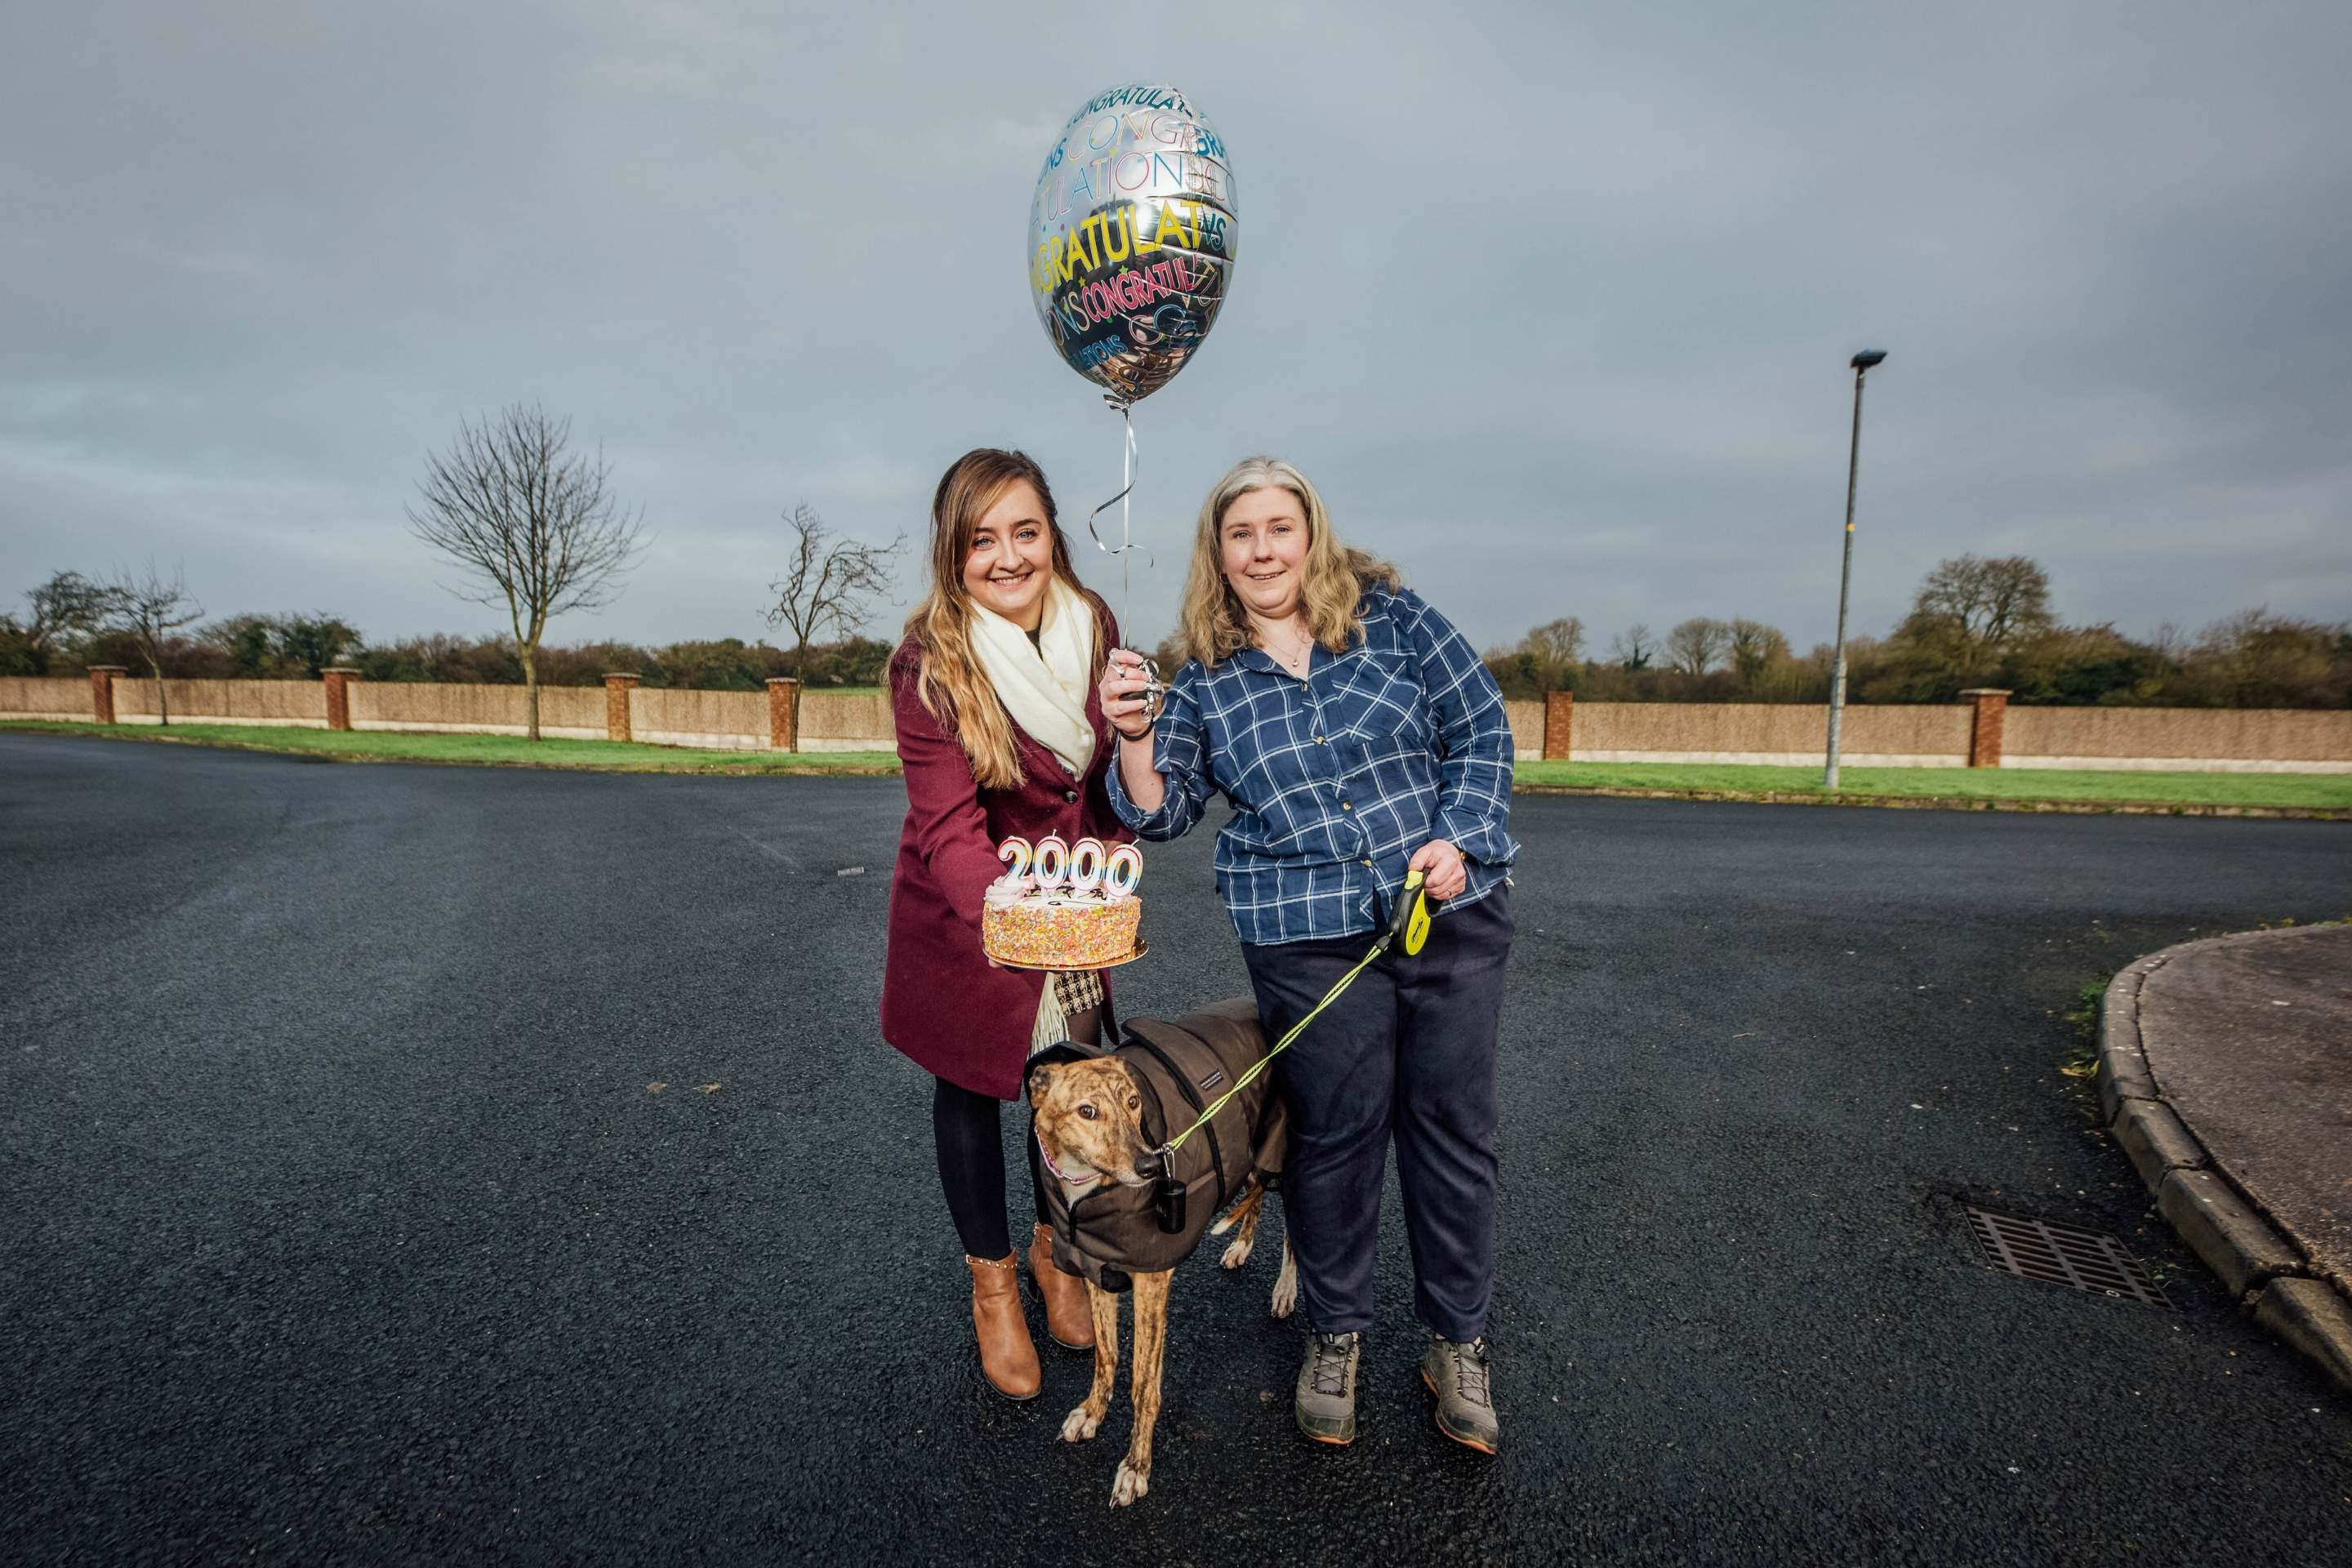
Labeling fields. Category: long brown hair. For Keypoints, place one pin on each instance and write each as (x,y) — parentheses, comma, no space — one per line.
(950,680)
(1332,578)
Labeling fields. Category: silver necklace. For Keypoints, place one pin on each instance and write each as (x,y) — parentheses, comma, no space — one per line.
(1296,662)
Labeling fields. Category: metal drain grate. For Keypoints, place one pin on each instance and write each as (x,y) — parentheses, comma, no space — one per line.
(2061,1255)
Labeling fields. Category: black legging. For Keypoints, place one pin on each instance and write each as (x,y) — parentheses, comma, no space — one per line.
(971,1166)
(967,1128)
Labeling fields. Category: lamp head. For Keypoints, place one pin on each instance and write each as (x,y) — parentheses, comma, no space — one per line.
(1868,358)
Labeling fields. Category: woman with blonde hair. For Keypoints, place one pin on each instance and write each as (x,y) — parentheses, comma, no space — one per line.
(1358,736)
(1001,733)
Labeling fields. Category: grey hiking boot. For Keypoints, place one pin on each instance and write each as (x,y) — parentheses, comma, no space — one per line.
(1326,1402)
(1459,1376)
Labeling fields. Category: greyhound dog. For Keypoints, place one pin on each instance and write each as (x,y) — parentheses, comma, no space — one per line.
(1090,1130)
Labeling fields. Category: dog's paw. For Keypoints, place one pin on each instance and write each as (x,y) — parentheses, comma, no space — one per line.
(1078,1426)
(1237,1252)
(1131,1485)
(1285,1290)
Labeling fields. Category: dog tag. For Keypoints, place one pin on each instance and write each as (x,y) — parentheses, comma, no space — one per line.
(1168,1202)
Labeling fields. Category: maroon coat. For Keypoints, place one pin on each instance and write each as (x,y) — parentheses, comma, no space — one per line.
(941,1002)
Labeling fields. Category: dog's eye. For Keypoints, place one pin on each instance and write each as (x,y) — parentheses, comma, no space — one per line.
(1088,1110)
(1133,1103)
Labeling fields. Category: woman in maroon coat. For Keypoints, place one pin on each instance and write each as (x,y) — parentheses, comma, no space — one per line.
(1001,733)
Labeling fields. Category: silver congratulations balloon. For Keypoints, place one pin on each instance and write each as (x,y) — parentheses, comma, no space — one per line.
(1132,237)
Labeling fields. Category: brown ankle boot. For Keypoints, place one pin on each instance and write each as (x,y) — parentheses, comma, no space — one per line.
(1069,1319)
(1007,1358)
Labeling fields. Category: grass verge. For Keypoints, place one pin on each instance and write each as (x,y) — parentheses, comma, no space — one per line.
(475,751)
(1859,786)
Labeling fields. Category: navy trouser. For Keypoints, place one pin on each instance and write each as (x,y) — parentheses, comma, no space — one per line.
(1409,1051)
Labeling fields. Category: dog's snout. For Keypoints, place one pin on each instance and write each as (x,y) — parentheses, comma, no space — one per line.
(1151,1165)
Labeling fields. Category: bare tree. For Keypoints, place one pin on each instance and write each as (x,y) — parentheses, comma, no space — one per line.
(68,602)
(1170,654)
(535,525)
(2172,643)
(1560,642)
(827,582)
(1634,647)
(1696,645)
(1755,648)
(151,609)
(1980,608)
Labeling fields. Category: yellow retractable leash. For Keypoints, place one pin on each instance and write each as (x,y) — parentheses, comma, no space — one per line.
(1408,928)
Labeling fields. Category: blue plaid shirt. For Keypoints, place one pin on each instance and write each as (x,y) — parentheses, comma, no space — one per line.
(1337,779)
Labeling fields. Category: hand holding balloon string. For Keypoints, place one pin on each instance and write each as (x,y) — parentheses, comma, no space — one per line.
(1130,689)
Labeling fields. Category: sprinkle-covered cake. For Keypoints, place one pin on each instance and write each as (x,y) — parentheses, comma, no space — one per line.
(1063,907)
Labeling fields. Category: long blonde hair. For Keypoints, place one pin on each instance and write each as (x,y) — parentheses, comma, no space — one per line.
(948,678)
(1214,626)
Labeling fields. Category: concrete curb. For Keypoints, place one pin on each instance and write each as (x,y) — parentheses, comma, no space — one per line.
(2233,1234)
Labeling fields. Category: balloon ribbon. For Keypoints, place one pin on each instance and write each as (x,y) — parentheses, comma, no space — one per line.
(1127,467)
(1154,685)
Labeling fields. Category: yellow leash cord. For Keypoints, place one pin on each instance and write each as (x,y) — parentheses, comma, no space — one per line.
(1411,924)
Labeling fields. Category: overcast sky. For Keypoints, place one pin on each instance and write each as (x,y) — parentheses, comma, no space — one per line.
(1555,303)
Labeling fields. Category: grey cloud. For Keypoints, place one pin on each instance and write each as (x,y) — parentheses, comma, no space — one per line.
(1555,305)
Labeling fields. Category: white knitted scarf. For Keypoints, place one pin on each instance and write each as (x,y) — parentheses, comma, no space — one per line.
(1043,686)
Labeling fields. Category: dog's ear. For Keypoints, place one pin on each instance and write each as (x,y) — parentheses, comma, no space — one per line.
(1041,1082)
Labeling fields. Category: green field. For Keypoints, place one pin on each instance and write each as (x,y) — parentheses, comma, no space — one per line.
(2326,791)
(2296,790)
(478,750)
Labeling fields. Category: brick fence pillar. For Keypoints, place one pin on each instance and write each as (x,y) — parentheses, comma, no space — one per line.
(101,690)
(1984,734)
(339,696)
(783,713)
(616,707)
(1559,713)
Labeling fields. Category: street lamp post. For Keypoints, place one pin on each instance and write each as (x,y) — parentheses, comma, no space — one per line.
(1861,364)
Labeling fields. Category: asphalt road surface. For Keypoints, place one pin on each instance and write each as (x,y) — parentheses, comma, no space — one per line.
(342,1221)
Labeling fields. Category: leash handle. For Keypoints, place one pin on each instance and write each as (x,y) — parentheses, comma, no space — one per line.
(1409,925)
